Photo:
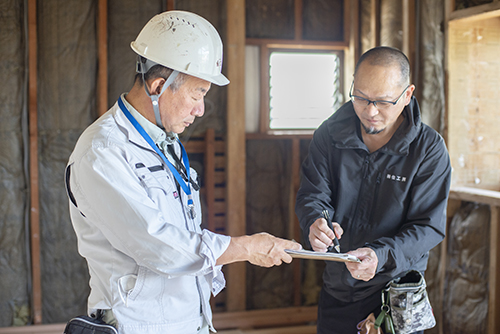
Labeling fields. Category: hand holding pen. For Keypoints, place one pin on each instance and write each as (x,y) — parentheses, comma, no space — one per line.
(336,243)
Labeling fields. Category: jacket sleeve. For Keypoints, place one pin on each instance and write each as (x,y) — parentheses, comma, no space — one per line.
(113,202)
(314,194)
(425,224)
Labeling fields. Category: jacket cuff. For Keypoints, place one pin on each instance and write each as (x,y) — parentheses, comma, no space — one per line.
(213,245)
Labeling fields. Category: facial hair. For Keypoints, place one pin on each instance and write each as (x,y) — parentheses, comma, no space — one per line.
(371,130)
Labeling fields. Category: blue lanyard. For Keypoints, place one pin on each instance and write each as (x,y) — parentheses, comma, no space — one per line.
(184,184)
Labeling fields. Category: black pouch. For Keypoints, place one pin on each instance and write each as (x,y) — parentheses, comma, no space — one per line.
(83,324)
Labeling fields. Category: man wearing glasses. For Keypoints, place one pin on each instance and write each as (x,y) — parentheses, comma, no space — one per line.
(384,177)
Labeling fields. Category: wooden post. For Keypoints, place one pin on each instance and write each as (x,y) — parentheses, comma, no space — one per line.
(293,222)
(375,23)
(264,90)
(102,40)
(33,163)
(236,188)
(409,32)
(298,20)
(210,177)
(494,274)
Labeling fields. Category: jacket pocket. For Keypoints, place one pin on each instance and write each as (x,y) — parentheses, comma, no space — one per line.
(130,286)
(154,179)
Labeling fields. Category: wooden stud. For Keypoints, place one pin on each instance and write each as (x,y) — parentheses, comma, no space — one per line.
(170,4)
(210,177)
(264,89)
(494,272)
(375,22)
(293,222)
(102,40)
(33,145)
(236,153)
(298,20)
(409,31)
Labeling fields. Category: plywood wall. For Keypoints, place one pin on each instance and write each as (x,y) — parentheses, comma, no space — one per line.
(474,92)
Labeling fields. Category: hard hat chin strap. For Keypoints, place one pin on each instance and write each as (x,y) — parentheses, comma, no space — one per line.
(143,67)
(155,98)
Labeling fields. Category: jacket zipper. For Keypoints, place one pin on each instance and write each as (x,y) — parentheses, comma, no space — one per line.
(375,195)
(366,163)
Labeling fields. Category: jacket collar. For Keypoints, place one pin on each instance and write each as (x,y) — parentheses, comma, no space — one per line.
(127,128)
(345,130)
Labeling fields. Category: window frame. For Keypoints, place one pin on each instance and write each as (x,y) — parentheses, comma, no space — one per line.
(265,110)
(345,48)
(265,50)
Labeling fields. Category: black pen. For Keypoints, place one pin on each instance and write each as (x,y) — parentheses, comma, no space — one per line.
(336,243)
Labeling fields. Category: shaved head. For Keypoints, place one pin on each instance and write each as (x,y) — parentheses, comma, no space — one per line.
(386,56)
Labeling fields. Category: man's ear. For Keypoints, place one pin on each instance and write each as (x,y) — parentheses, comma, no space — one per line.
(409,94)
(156,85)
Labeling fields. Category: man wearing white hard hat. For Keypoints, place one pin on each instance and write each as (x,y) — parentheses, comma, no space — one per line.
(134,200)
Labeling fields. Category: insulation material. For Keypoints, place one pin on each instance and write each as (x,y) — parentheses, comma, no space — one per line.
(268,186)
(391,23)
(67,70)
(365,34)
(430,85)
(270,19)
(14,252)
(323,20)
(467,270)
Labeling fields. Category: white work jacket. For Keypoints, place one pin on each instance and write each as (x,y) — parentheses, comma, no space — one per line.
(149,261)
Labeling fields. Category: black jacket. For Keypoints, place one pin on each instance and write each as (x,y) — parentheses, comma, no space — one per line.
(392,200)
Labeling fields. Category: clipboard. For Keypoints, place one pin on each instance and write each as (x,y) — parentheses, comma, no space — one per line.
(328,256)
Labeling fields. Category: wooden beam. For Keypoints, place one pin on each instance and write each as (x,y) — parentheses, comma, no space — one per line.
(236,153)
(102,40)
(33,163)
(469,194)
(481,12)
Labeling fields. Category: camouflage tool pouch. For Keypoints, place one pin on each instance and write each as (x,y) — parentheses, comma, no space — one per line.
(410,308)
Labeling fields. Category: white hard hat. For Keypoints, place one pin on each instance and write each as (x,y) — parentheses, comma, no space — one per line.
(184,42)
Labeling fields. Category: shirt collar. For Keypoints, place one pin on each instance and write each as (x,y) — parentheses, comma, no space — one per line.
(158,135)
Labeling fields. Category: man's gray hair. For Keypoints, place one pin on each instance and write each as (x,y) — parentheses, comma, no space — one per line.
(160,71)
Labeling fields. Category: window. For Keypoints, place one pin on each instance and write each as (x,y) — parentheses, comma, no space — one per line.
(304,88)
(294,76)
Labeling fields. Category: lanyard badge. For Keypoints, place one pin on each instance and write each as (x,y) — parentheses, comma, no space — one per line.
(185,184)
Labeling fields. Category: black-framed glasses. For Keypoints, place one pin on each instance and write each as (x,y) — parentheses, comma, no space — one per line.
(379,104)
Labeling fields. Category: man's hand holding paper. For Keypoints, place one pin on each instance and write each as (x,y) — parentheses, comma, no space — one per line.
(365,270)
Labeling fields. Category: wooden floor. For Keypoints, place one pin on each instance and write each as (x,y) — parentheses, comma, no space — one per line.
(282,330)
(59,328)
